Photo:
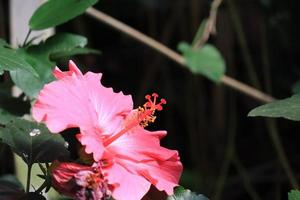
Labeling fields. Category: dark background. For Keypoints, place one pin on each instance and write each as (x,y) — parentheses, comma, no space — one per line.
(206,122)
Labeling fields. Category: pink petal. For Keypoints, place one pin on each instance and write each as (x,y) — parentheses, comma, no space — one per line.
(93,144)
(158,134)
(139,145)
(73,69)
(77,100)
(163,175)
(63,177)
(127,185)
(139,152)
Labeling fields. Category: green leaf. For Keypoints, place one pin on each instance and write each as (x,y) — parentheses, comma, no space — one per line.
(10,188)
(200,32)
(40,57)
(184,194)
(13,180)
(288,108)
(206,60)
(33,195)
(5,117)
(33,142)
(61,42)
(55,12)
(10,60)
(294,195)
(29,84)
(296,88)
(3,43)
(77,51)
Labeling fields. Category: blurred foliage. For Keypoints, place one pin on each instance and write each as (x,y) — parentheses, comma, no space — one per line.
(11,61)
(199,114)
(183,194)
(287,108)
(294,195)
(42,58)
(206,60)
(44,16)
(32,141)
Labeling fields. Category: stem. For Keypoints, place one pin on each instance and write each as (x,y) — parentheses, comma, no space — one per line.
(271,126)
(273,131)
(243,43)
(229,154)
(26,38)
(247,182)
(119,26)
(43,186)
(247,90)
(210,26)
(28,177)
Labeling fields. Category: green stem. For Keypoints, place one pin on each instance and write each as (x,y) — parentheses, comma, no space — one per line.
(237,24)
(28,177)
(26,38)
(271,126)
(246,180)
(43,186)
(273,131)
(230,149)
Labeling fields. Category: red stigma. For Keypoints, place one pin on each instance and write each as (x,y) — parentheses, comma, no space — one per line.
(143,116)
(151,103)
(146,113)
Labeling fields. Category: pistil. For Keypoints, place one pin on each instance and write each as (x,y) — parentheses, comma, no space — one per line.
(143,116)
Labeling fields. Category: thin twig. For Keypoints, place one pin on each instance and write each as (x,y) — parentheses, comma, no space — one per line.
(26,38)
(246,180)
(210,25)
(274,135)
(271,125)
(229,152)
(28,177)
(230,82)
(134,34)
(237,24)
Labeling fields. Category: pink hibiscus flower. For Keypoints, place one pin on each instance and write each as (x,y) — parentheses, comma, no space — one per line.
(130,157)
(80,181)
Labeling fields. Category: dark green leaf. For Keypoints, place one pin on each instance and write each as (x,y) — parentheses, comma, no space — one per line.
(296,87)
(294,195)
(55,12)
(3,43)
(77,51)
(33,142)
(10,60)
(32,196)
(61,42)
(5,117)
(10,188)
(39,56)
(266,3)
(43,169)
(29,84)
(184,194)
(206,60)
(13,180)
(287,108)
(188,178)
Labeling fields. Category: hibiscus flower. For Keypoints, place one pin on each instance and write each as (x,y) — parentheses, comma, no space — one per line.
(130,157)
(80,181)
